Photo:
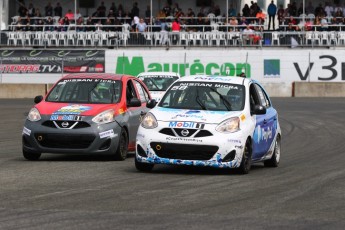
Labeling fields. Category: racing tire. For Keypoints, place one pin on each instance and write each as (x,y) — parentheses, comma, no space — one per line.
(246,161)
(143,167)
(122,147)
(275,159)
(31,156)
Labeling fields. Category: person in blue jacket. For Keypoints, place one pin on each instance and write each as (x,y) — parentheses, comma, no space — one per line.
(271,11)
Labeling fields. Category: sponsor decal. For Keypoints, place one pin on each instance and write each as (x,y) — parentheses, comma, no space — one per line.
(186,124)
(121,111)
(243,117)
(72,109)
(183,139)
(262,134)
(108,133)
(56,117)
(234,141)
(26,131)
(271,68)
(239,146)
(136,65)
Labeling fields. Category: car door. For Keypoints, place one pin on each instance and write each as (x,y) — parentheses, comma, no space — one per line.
(143,96)
(133,114)
(266,124)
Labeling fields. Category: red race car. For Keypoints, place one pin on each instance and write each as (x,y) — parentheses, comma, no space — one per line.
(86,114)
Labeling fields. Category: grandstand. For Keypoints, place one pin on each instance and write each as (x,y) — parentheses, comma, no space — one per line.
(104,24)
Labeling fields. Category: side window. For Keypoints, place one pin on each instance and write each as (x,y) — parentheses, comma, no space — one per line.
(130,91)
(144,97)
(254,98)
(262,96)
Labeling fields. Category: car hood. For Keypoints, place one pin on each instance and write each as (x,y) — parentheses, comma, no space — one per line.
(48,108)
(203,116)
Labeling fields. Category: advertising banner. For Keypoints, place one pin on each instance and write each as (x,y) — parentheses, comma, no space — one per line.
(52,61)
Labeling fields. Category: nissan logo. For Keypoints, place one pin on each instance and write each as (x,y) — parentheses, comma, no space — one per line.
(185,132)
(65,124)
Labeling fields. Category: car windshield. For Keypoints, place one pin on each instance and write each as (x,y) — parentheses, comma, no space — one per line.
(158,82)
(98,91)
(204,96)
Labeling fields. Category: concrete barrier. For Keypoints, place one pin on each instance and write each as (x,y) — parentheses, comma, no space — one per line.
(318,89)
(21,90)
(296,89)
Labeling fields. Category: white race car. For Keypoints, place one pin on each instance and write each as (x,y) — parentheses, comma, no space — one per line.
(158,82)
(223,122)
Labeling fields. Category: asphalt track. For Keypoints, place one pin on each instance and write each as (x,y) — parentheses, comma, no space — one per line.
(307,190)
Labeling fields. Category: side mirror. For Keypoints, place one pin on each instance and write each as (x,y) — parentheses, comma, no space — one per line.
(38,99)
(259,110)
(134,102)
(151,104)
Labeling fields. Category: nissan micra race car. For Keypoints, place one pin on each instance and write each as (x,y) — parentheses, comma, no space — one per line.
(158,82)
(86,114)
(216,121)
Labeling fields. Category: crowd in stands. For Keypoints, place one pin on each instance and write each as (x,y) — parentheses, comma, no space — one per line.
(111,18)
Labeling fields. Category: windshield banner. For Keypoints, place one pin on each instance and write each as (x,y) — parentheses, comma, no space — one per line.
(52,61)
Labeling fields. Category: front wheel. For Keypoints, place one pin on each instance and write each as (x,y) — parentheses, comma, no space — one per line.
(275,159)
(122,148)
(143,167)
(31,156)
(246,158)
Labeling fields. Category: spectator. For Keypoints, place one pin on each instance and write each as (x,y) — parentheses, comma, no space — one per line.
(271,10)
(191,17)
(113,8)
(231,11)
(31,10)
(324,24)
(135,22)
(90,24)
(164,33)
(217,11)
(101,10)
(167,10)
(69,15)
(135,10)
(281,15)
(292,20)
(300,9)
(179,14)
(243,23)
(200,23)
(329,10)
(141,26)
(246,11)
(49,24)
(233,22)
(26,23)
(260,16)
(22,11)
(308,26)
(48,10)
(58,10)
(77,16)
(108,25)
(176,9)
(161,14)
(39,25)
(176,26)
(319,11)
(65,23)
(80,24)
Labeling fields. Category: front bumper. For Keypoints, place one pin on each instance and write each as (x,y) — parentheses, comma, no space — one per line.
(89,138)
(219,150)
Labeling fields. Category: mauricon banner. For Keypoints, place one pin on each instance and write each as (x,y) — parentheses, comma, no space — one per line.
(52,61)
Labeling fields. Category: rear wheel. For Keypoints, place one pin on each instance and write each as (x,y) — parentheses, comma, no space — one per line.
(246,158)
(31,156)
(122,148)
(275,159)
(144,167)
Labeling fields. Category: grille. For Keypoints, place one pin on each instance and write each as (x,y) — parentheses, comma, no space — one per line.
(184,151)
(81,124)
(191,132)
(64,141)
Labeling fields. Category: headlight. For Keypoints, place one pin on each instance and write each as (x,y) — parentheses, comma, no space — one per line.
(34,115)
(104,117)
(149,121)
(229,126)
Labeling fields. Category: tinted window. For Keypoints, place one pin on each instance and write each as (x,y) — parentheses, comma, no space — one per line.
(86,91)
(144,97)
(262,96)
(158,82)
(205,96)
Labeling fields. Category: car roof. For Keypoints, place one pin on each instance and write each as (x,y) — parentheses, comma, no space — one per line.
(107,76)
(215,78)
(158,73)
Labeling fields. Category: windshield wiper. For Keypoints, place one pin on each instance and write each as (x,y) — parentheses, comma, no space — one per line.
(202,105)
(224,100)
